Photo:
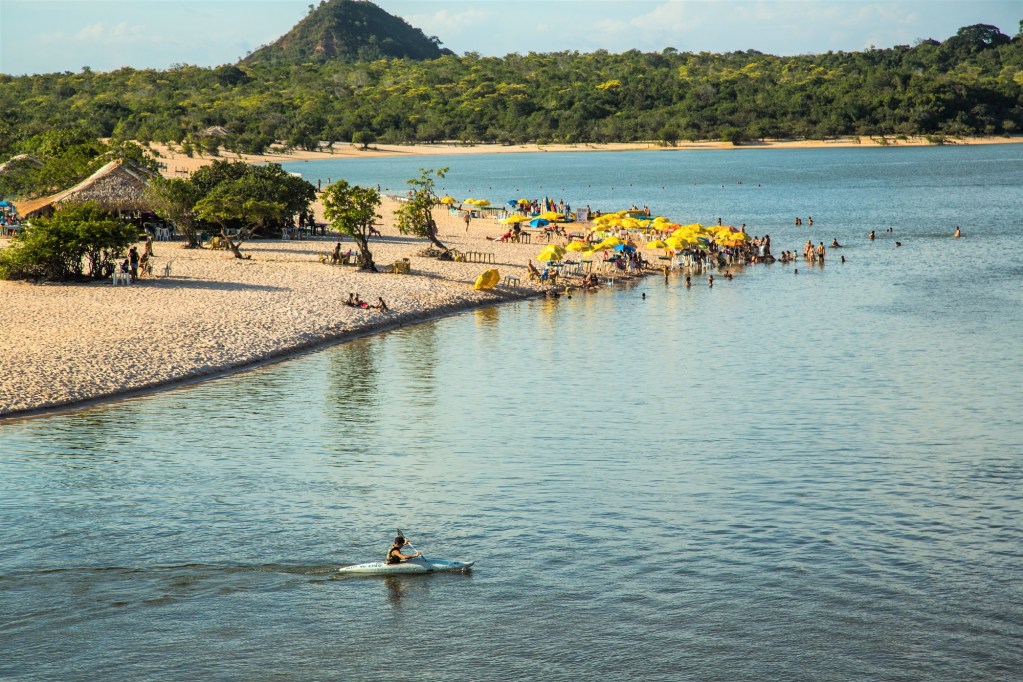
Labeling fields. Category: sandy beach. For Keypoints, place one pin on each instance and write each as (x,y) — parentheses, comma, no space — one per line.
(67,344)
(179,165)
(70,343)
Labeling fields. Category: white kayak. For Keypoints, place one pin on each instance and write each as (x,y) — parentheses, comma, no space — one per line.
(417,565)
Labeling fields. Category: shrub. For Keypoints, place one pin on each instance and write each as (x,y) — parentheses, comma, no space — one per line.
(59,248)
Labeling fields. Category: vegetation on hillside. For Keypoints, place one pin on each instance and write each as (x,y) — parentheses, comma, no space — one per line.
(348,30)
(970,84)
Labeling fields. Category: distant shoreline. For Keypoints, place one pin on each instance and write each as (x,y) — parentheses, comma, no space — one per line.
(178,164)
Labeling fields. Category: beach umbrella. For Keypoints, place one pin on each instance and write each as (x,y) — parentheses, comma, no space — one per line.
(577,246)
(625,248)
(512,202)
(552,216)
(482,202)
(488,280)
(608,243)
(675,243)
(656,244)
(539,222)
(512,219)
(524,201)
(551,252)
(448,201)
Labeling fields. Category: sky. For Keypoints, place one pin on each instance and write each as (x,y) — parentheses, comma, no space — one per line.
(44,36)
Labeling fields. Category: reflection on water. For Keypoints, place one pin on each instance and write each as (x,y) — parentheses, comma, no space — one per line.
(811,476)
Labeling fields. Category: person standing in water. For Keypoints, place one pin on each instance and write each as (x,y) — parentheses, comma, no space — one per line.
(957,233)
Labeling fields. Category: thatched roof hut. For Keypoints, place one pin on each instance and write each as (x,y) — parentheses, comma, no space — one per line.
(117,186)
(13,162)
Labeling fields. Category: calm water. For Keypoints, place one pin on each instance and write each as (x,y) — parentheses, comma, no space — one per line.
(813,476)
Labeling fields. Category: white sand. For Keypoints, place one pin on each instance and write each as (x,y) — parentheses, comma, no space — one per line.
(65,344)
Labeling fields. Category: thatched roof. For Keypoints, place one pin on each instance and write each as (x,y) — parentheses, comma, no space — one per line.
(10,163)
(215,131)
(116,186)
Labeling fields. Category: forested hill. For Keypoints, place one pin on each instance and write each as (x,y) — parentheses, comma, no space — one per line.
(969,84)
(348,30)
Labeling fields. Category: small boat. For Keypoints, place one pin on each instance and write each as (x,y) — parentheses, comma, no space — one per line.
(417,565)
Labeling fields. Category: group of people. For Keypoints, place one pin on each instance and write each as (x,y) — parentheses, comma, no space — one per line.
(131,265)
(355,302)
(337,257)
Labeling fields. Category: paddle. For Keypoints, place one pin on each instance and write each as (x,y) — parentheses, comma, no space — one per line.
(421,556)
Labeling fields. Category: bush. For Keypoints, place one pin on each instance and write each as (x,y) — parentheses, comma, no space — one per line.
(59,248)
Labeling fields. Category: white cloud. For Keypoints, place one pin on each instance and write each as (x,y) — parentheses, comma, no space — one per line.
(444,22)
(107,34)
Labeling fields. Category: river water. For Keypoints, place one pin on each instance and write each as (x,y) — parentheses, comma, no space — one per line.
(812,476)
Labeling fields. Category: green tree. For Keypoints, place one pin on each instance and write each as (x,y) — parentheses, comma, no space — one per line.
(174,200)
(239,208)
(415,216)
(351,209)
(59,248)
(363,137)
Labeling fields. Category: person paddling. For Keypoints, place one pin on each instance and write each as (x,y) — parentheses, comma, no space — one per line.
(394,555)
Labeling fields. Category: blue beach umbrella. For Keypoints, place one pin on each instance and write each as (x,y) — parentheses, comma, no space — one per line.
(624,248)
(539,222)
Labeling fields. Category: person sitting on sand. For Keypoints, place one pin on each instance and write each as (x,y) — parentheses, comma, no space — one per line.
(591,281)
(381,306)
(351,300)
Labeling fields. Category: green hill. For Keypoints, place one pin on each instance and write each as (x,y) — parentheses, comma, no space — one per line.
(348,30)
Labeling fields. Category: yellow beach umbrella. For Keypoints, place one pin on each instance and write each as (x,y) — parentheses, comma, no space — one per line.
(577,246)
(551,252)
(677,243)
(552,216)
(488,280)
(608,243)
(448,201)
(482,202)
(512,219)
(656,244)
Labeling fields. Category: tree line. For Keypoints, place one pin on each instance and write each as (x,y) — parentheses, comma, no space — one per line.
(969,84)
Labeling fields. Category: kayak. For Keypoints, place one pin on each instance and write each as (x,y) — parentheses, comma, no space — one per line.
(417,565)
